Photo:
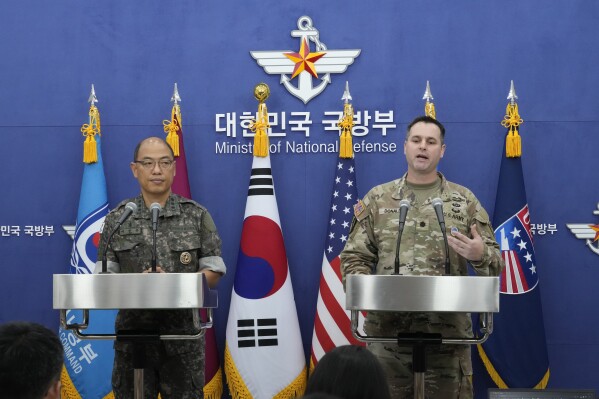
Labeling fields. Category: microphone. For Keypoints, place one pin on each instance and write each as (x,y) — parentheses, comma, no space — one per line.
(404,205)
(438,205)
(155,209)
(130,209)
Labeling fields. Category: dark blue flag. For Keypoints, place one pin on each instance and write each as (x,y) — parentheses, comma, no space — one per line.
(515,356)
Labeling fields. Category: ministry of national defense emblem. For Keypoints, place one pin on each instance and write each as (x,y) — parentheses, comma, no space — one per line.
(587,232)
(304,64)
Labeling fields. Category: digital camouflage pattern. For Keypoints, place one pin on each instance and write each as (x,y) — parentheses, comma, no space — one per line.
(370,249)
(186,242)
(176,377)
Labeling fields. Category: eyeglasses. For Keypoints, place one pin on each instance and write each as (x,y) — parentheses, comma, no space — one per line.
(150,164)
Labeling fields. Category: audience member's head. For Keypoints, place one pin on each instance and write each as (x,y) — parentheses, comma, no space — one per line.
(349,372)
(31,358)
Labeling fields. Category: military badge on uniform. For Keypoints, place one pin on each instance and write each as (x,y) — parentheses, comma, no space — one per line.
(185,258)
(359,208)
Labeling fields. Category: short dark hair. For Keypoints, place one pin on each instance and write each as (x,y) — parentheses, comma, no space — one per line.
(31,359)
(136,150)
(427,119)
(350,372)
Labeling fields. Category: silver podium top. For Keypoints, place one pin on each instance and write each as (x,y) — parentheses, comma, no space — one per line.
(133,291)
(394,293)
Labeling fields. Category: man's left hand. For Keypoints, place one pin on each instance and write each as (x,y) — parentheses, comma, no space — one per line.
(470,248)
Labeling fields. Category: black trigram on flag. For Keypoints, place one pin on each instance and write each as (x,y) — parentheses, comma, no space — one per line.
(256,332)
(261,182)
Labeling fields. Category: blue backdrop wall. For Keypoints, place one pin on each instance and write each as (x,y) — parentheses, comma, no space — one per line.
(134,51)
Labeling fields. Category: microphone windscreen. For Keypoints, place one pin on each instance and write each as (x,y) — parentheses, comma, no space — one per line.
(131,206)
(437,201)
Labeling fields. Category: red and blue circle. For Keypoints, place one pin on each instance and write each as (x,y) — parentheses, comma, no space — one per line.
(262,262)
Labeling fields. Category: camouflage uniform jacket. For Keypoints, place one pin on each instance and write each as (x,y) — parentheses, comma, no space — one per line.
(186,242)
(371,248)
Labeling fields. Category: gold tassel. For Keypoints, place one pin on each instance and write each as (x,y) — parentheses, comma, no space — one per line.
(171,127)
(346,124)
(259,127)
(513,141)
(90,147)
(429,110)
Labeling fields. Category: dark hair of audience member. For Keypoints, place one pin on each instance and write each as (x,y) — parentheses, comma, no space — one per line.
(349,372)
(31,359)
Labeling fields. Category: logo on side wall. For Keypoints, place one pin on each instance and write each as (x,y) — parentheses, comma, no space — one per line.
(304,64)
(587,232)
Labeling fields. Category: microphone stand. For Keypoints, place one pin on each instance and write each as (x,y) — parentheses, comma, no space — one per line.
(400,232)
(154,250)
(438,206)
(104,259)
(447,271)
(154,209)
(404,206)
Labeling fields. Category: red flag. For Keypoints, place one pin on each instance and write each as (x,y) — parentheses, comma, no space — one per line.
(213,387)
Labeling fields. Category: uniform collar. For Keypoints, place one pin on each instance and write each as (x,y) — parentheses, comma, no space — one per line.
(400,189)
(171,208)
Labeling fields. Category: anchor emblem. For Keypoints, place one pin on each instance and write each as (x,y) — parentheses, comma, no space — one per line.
(304,64)
(587,232)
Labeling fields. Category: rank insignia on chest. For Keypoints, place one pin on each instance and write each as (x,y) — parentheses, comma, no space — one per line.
(185,258)
(359,208)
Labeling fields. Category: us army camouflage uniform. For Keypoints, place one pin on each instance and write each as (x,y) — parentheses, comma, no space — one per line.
(187,241)
(370,249)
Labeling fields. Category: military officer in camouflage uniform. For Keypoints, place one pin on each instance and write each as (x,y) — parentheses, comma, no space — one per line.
(187,242)
(371,248)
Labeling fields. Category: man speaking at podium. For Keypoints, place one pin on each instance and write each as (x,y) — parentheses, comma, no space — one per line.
(187,242)
(371,249)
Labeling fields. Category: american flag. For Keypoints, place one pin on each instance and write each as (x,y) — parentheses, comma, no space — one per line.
(332,321)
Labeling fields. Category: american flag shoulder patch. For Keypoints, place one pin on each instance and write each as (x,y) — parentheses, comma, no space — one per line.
(359,209)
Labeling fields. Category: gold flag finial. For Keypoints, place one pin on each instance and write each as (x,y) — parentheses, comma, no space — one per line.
(171,127)
(260,125)
(511,120)
(429,106)
(89,130)
(346,125)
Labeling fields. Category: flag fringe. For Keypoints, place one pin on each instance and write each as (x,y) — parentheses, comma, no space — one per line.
(68,390)
(239,390)
(214,388)
(296,389)
(497,378)
(237,387)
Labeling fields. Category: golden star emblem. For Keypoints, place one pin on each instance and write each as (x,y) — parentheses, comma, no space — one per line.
(596,228)
(304,60)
